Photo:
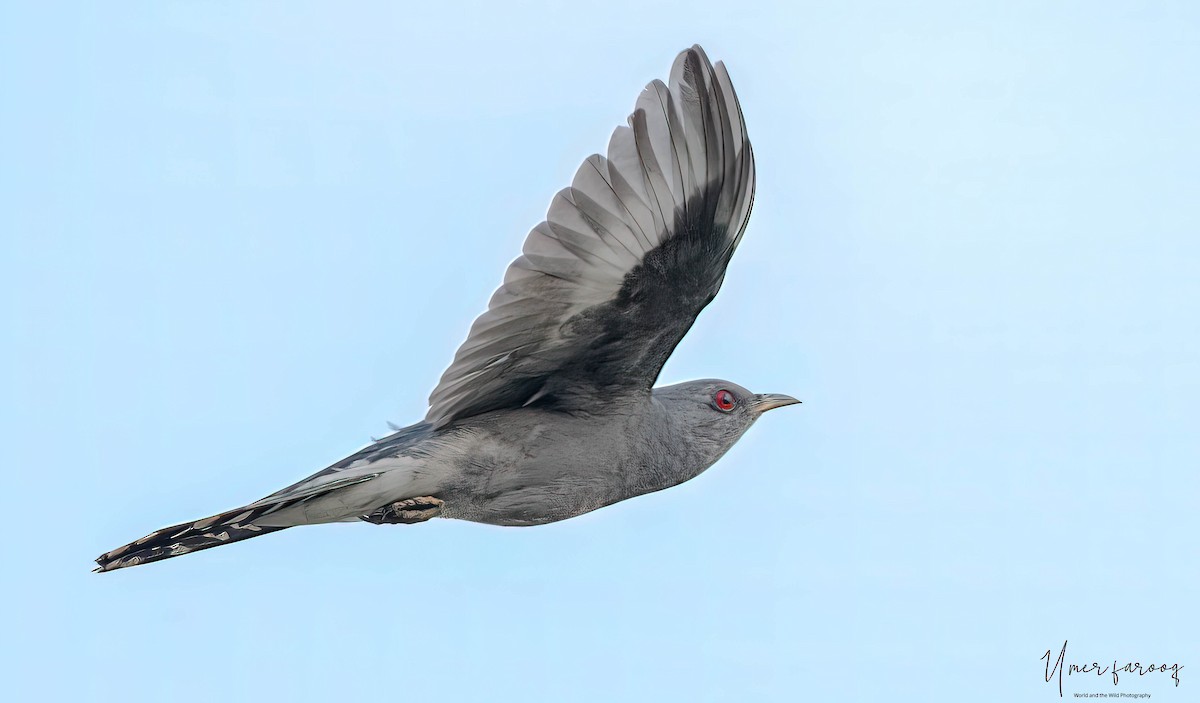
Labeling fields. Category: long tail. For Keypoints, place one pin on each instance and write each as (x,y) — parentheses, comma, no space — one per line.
(185,538)
(224,528)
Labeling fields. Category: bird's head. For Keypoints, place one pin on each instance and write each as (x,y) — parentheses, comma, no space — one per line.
(714,414)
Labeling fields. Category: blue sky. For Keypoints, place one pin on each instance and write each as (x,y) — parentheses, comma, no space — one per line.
(236,238)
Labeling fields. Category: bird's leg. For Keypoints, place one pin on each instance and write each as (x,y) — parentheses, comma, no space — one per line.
(406,512)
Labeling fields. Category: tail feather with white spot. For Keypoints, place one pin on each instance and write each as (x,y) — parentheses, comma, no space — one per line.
(185,538)
(225,528)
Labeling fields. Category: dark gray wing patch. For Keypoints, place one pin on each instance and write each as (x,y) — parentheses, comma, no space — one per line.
(627,257)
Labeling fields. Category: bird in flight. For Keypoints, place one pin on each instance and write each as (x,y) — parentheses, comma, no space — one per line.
(549,408)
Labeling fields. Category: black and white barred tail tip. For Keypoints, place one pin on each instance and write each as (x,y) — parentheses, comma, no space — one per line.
(185,538)
(224,528)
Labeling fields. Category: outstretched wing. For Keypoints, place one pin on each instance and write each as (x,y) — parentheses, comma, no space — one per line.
(626,259)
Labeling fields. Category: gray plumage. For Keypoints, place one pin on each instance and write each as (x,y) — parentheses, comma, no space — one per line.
(548,410)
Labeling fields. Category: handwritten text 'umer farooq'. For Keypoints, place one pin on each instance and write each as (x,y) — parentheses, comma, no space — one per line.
(1094,668)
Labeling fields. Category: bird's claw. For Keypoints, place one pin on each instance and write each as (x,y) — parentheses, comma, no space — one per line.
(406,512)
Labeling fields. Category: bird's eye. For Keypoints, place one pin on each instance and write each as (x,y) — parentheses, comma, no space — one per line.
(724,400)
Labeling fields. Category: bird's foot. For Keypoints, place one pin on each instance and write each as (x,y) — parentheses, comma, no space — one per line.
(406,512)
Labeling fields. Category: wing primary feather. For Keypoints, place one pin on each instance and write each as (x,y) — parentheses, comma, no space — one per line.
(626,258)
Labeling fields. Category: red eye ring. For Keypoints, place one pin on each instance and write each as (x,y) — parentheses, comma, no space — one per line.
(724,400)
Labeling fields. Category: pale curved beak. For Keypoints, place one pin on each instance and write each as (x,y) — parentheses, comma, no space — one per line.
(763,402)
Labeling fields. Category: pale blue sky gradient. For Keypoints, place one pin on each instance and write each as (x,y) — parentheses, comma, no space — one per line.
(236,238)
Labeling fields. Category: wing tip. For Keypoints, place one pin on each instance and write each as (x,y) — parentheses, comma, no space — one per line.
(712,113)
